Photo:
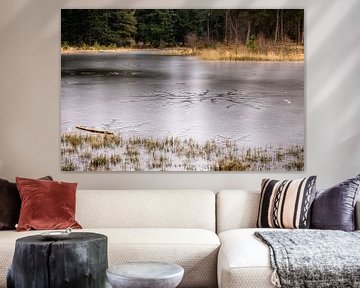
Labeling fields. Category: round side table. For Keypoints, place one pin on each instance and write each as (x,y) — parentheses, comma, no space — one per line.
(80,261)
(145,275)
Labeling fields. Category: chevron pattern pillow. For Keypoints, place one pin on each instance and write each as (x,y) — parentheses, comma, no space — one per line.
(286,204)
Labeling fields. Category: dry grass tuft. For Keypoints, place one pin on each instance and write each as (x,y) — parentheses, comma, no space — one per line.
(268,52)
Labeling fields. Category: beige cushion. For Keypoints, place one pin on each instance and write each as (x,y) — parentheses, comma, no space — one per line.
(244,261)
(194,249)
(236,209)
(146,209)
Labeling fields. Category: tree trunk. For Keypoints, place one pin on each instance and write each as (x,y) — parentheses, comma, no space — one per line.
(233,28)
(226,28)
(208,28)
(282,25)
(248,32)
(79,261)
(277,25)
(299,30)
(302,36)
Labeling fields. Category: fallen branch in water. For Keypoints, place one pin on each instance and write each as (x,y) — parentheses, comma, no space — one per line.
(89,129)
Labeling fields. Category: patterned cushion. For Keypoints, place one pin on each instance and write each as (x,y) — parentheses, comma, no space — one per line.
(286,204)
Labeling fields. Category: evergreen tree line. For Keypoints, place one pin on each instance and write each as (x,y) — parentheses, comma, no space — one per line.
(178,27)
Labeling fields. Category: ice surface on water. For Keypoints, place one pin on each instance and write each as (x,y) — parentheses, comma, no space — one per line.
(157,96)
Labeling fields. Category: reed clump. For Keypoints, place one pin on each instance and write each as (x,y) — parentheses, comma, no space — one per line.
(159,162)
(73,139)
(177,51)
(267,51)
(102,141)
(69,165)
(115,159)
(231,163)
(86,155)
(84,48)
(100,162)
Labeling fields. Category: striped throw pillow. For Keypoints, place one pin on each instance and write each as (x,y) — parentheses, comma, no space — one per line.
(286,204)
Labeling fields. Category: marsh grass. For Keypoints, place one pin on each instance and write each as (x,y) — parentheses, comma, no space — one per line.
(86,155)
(231,163)
(257,50)
(266,52)
(100,162)
(115,159)
(178,51)
(70,49)
(98,152)
(261,50)
(69,165)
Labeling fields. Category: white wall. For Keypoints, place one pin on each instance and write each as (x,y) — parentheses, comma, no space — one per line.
(30,94)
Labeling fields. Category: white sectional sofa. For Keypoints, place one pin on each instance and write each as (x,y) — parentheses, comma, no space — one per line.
(243,261)
(177,226)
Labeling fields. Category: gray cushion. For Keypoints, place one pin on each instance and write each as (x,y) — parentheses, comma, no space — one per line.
(334,208)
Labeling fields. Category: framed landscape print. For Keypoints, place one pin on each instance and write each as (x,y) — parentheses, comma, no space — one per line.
(182,90)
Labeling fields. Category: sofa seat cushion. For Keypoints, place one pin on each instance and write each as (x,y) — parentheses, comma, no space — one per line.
(244,261)
(196,250)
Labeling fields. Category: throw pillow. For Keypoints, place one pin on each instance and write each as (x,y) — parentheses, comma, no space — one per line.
(334,208)
(46,204)
(10,203)
(286,204)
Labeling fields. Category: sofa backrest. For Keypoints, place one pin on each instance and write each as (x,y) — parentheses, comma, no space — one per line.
(146,209)
(239,209)
(236,209)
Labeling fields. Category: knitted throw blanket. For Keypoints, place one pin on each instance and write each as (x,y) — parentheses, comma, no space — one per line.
(313,258)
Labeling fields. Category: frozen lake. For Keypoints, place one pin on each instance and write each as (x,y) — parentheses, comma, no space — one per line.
(140,93)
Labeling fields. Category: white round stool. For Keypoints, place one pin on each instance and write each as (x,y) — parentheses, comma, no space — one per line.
(145,275)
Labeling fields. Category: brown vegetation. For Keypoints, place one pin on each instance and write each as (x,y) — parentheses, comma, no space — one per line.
(98,152)
(257,50)
(267,51)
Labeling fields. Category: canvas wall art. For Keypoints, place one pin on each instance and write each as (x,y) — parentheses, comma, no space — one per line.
(182,90)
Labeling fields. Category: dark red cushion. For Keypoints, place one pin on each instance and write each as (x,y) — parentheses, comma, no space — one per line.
(46,204)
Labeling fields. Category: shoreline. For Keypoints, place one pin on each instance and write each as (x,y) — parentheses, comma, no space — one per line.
(93,50)
(229,54)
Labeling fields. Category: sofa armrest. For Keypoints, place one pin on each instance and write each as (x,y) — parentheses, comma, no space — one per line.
(357,215)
